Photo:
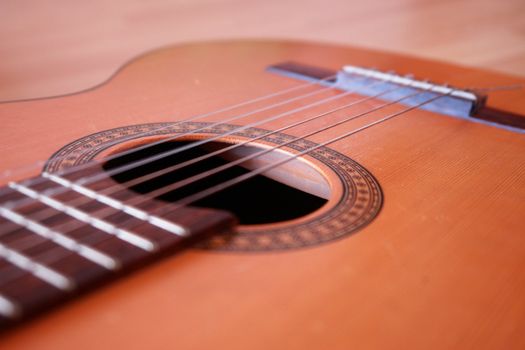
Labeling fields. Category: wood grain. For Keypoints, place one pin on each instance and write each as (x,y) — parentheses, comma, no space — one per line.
(55,46)
(440,268)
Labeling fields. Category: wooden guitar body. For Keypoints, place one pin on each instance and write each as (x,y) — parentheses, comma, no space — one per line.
(439,265)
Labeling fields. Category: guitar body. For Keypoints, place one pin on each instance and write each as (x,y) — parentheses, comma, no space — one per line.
(440,265)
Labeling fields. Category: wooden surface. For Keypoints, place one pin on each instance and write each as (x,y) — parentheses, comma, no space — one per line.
(55,47)
(441,267)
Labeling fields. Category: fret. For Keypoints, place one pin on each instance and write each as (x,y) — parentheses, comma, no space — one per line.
(53,246)
(80,215)
(9,196)
(119,205)
(158,234)
(110,245)
(61,239)
(30,294)
(7,226)
(21,240)
(42,250)
(127,254)
(87,235)
(77,268)
(9,272)
(43,272)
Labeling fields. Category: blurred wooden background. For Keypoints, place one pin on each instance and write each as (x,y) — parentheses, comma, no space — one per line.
(50,47)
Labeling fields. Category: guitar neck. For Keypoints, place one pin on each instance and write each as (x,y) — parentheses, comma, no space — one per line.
(73,249)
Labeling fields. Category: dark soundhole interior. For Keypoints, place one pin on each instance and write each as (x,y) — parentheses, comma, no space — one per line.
(255,201)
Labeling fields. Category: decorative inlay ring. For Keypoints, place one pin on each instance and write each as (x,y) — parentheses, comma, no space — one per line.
(359,204)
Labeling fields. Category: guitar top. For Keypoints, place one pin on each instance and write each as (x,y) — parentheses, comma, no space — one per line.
(266,195)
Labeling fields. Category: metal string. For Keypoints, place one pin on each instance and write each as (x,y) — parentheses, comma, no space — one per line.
(68,171)
(203,175)
(108,191)
(193,118)
(246,176)
(86,180)
(241,178)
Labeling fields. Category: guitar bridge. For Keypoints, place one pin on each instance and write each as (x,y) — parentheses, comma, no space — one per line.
(456,102)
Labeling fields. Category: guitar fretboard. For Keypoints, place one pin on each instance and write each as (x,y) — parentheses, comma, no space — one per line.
(58,239)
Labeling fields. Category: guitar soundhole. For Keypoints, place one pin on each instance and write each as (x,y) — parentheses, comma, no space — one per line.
(343,205)
(259,200)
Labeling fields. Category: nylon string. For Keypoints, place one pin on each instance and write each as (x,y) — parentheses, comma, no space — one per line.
(224,185)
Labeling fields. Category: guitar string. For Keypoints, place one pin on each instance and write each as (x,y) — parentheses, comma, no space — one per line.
(43,213)
(86,180)
(220,187)
(224,185)
(38,180)
(295,88)
(27,247)
(246,176)
(37,164)
(57,190)
(302,86)
(11,172)
(188,181)
(212,190)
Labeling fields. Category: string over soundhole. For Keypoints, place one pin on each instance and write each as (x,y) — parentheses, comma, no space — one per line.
(338,214)
(287,193)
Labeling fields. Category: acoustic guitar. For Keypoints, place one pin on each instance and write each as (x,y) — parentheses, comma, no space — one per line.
(267,195)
